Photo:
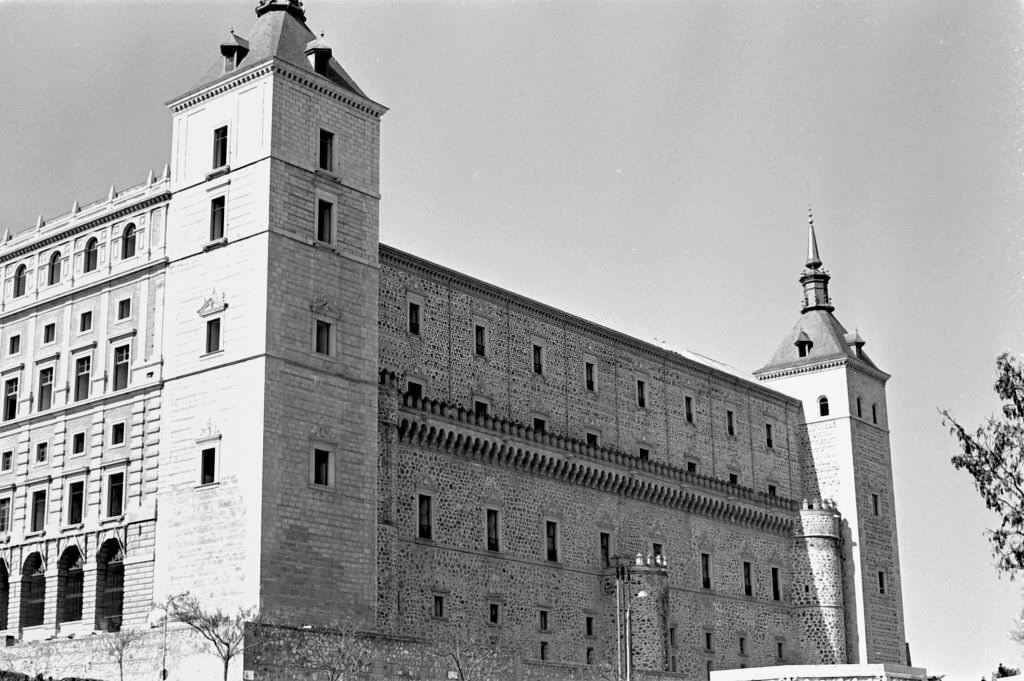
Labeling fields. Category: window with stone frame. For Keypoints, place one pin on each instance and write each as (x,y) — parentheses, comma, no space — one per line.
(325,159)
(551,540)
(492,520)
(705,570)
(220,147)
(218,218)
(424,517)
(322,467)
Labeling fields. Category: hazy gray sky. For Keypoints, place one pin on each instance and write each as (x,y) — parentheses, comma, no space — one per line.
(649,166)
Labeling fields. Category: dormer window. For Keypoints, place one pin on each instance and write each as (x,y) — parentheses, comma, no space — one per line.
(233,50)
(803,344)
(319,54)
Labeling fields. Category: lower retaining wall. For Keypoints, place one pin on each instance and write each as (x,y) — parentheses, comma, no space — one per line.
(824,672)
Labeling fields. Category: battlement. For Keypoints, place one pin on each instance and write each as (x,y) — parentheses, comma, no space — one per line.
(817,519)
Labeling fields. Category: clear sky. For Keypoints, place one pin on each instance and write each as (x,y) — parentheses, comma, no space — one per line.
(648,165)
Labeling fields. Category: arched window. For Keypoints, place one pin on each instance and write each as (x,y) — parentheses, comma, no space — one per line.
(92,255)
(33,591)
(5,591)
(69,585)
(109,586)
(54,276)
(128,241)
(19,280)
(823,406)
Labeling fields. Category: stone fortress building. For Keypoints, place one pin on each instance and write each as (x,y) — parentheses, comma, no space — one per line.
(221,381)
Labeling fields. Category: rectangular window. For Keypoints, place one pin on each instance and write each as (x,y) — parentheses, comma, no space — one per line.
(645,454)
(78,443)
(425,528)
(874,504)
(480,408)
(85,322)
(212,335)
(539,425)
(38,511)
(776,590)
(748,583)
(493,614)
(881,582)
(778,649)
(589,375)
(6,460)
(768,436)
(324,221)
(50,333)
(688,405)
(5,514)
(705,570)
(538,359)
(117,434)
(124,309)
(734,479)
(14,344)
(729,425)
(606,548)
(543,624)
(592,440)
(551,540)
(45,388)
(217,218)
(480,340)
(672,637)
(590,655)
(772,490)
(208,466)
(656,550)
(414,319)
(874,413)
(743,645)
(42,452)
(589,625)
(492,530)
(691,466)
(543,650)
(708,641)
(121,357)
(115,495)
(10,398)
(322,344)
(220,146)
(641,394)
(76,502)
(83,368)
(439,607)
(326,160)
(414,390)
(321,467)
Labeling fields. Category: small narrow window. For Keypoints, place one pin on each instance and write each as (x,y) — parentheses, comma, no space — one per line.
(551,540)
(10,398)
(589,625)
(543,620)
(76,502)
(208,466)
(705,570)
(590,655)
(117,434)
(49,333)
(592,440)
(220,146)
(115,495)
(322,343)
(589,374)
(83,368)
(493,543)
(414,319)
(45,388)
(85,321)
(539,425)
(708,642)
(78,443)
(326,150)
(494,614)
(124,308)
(42,452)
(641,394)
(743,645)
(606,547)
(5,514)
(217,218)
(543,650)
(688,406)
(480,408)
(425,526)
(672,637)
(645,454)
(538,359)
(691,466)
(54,274)
(772,490)
(480,340)
(859,409)
(438,607)
(321,467)
(822,406)
(90,260)
(6,460)
(768,436)
(212,335)
(734,479)
(324,221)
(38,511)
(128,242)
(778,649)
(19,280)
(881,582)
(656,550)
(874,504)
(776,585)
(14,344)
(874,413)
(730,426)
(748,582)
(121,360)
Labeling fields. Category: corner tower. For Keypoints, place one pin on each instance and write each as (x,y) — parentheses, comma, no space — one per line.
(272,352)
(843,394)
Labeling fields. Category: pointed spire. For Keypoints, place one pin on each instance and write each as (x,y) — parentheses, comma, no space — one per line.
(813,259)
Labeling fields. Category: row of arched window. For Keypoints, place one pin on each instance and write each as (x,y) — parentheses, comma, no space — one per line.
(109,586)
(90,260)
(823,409)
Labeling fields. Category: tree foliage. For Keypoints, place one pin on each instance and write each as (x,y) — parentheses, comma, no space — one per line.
(224,631)
(994,456)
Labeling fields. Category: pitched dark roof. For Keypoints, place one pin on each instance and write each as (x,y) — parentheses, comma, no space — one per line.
(830,341)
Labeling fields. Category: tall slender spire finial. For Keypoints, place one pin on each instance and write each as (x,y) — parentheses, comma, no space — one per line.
(813,259)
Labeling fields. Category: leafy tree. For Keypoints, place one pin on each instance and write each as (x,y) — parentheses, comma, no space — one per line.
(994,456)
(118,643)
(225,632)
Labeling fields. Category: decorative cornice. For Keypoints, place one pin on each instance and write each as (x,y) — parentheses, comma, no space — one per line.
(840,361)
